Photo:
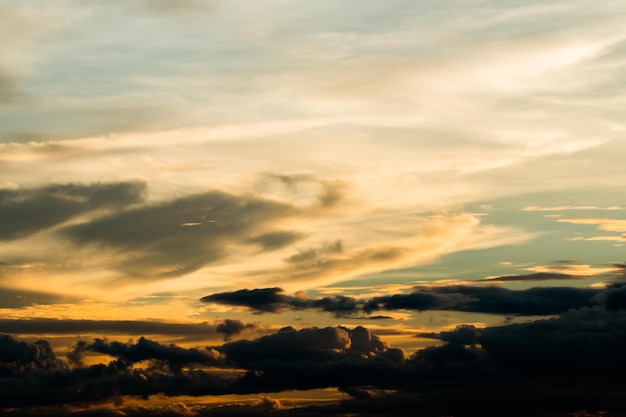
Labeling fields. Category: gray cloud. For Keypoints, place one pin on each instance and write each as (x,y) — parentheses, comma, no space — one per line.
(276,240)
(182,235)
(13,298)
(29,210)
(126,327)
(559,365)
(232,328)
(490,299)
(145,349)
(179,5)
(538,276)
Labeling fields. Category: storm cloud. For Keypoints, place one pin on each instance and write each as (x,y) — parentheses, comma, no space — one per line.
(550,363)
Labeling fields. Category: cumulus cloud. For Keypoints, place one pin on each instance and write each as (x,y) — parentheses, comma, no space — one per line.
(232,328)
(24,211)
(145,349)
(550,363)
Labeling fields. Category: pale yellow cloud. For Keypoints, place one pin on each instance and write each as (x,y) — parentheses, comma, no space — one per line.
(564,208)
(603,223)
(620,238)
(580,270)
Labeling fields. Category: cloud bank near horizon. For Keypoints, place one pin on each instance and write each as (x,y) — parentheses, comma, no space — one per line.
(566,351)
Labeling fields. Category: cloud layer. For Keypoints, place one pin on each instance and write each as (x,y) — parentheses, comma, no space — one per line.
(549,362)
(477,299)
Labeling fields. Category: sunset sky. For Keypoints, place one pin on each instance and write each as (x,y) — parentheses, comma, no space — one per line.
(312,207)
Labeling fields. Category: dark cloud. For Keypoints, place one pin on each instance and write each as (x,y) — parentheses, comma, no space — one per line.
(311,344)
(543,368)
(12,298)
(313,255)
(181,235)
(8,86)
(271,300)
(127,327)
(538,276)
(274,300)
(358,393)
(478,299)
(232,328)
(145,349)
(30,210)
(613,297)
(276,240)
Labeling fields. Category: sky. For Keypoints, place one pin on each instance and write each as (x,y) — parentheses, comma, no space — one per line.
(297,207)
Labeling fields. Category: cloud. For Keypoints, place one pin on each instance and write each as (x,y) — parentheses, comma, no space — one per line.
(127,327)
(24,211)
(576,270)
(538,276)
(14,298)
(276,240)
(563,208)
(179,5)
(232,328)
(21,28)
(603,223)
(157,241)
(478,299)
(145,349)
(496,300)
(549,362)
(271,300)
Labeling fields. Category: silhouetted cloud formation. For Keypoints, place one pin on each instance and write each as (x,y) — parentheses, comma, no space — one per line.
(12,298)
(262,299)
(533,301)
(145,349)
(479,299)
(570,362)
(550,363)
(232,328)
(275,240)
(126,327)
(25,211)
